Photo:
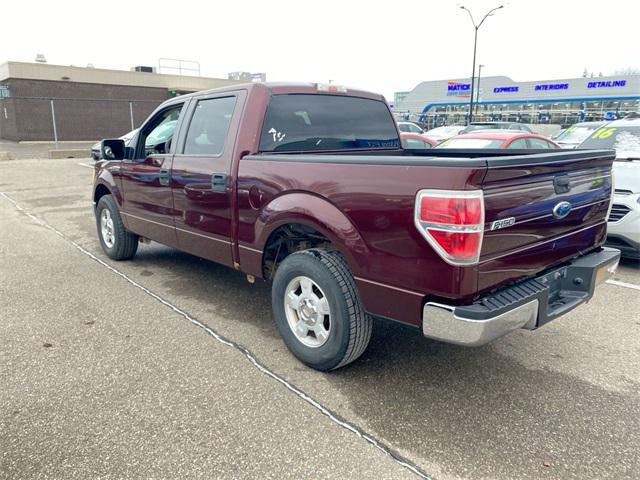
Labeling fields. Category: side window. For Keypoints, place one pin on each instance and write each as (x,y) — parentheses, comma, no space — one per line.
(209,126)
(158,138)
(539,143)
(519,143)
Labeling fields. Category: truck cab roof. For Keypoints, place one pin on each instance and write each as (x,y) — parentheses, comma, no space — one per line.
(279,88)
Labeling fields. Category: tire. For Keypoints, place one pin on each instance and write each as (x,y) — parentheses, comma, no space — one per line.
(334,339)
(117,242)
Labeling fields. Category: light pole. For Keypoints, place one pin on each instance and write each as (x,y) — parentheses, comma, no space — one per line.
(475,43)
(478,89)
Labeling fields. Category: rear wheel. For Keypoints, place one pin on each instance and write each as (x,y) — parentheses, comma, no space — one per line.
(318,311)
(117,242)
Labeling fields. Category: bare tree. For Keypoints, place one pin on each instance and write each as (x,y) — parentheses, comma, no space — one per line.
(627,71)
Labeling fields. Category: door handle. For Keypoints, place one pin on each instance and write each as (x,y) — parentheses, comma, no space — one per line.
(219,182)
(165,176)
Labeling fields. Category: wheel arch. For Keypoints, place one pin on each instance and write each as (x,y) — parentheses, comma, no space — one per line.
(105,184)
(317,220)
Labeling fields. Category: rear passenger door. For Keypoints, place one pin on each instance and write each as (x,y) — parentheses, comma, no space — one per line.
(201,176)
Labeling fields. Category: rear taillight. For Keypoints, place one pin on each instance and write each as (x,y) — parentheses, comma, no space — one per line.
(452,221)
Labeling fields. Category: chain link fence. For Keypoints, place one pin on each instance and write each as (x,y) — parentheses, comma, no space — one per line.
(70,119)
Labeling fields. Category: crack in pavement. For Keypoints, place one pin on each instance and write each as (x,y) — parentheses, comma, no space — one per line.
(333,416)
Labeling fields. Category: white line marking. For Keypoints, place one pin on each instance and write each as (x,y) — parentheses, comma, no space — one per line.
(624,284)
(85,165)
(334,417)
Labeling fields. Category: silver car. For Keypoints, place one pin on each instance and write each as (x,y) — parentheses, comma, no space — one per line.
(577,133)
(440,134)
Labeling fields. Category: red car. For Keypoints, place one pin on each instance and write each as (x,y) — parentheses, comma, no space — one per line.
(504,139)
(416,141)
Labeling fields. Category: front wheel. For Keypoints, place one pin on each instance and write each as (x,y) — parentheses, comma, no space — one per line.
(117,242)
(318,311)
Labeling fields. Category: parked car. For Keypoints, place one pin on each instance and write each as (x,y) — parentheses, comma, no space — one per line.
(415,140)
(501,139)
(624,220)
(439,134)
(477,126)
(574,135)
(306,186)
(410,127)
(95,148)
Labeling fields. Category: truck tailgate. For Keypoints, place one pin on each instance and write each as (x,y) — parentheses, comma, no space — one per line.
(541,210)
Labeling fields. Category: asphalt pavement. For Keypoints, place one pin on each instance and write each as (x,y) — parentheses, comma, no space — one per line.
(170,366)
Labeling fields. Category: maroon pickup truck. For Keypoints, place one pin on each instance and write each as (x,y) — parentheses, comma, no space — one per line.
(307,186)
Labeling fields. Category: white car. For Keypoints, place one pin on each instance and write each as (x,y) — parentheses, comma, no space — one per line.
(440,134)
(623,227)
(410,127)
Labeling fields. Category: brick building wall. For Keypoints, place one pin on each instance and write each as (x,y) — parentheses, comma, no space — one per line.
(83,111)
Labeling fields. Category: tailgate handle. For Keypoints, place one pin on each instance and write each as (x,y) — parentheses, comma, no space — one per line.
(562,184)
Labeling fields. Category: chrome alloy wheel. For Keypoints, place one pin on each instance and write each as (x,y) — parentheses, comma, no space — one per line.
(308,312)
(106,227)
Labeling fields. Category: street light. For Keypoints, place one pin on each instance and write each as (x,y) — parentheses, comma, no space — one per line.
(475,43)
(478,89)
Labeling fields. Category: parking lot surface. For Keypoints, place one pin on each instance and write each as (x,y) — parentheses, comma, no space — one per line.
(28,150)
(169,366)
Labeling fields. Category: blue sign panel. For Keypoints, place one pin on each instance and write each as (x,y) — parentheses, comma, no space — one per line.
(505,89)
(607,84)
(552,86)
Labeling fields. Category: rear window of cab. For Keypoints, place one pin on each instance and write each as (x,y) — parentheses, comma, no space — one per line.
(308,122)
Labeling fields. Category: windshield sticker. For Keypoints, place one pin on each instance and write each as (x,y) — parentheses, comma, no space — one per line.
(603,133)
(277,136)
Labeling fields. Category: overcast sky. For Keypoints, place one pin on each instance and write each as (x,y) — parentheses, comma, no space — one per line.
(384,46)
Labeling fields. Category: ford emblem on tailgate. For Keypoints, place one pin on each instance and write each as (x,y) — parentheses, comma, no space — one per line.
(562,209)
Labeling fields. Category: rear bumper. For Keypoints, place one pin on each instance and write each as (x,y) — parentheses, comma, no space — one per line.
(528,305)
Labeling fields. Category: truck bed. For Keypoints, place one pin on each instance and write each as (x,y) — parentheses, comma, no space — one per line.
(392,263)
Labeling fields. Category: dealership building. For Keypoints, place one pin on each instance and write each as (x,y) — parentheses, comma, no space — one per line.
(40,101)
(565,101)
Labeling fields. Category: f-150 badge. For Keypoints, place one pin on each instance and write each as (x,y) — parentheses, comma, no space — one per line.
(503,223)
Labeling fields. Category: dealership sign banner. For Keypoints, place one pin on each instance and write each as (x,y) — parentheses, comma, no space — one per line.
(607,84)
(458,89)
(552,86)
(506,89)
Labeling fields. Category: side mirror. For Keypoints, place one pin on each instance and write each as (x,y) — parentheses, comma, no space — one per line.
(112,149)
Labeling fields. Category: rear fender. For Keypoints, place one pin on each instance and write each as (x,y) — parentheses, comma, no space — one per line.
(318,213)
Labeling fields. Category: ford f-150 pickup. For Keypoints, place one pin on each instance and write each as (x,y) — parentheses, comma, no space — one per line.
(307,186)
